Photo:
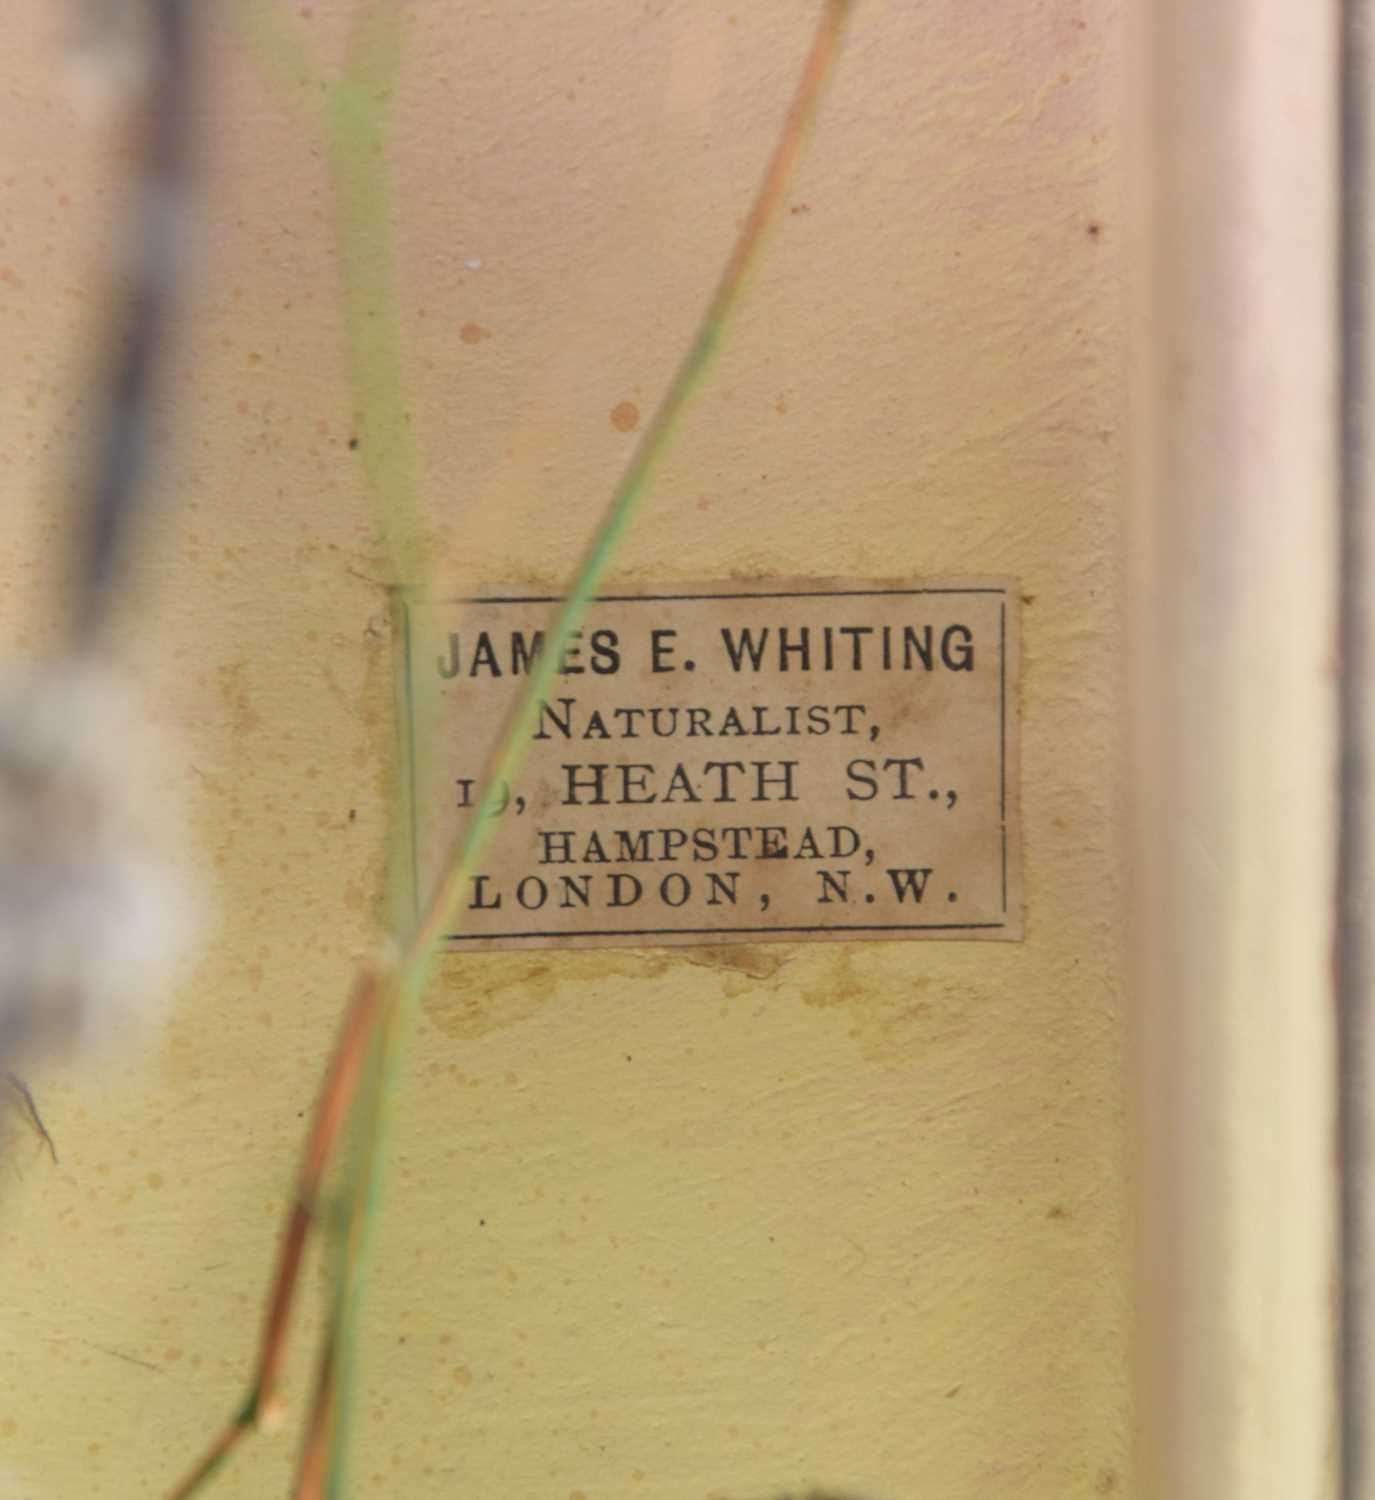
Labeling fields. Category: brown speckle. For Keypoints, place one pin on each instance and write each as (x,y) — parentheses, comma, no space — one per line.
(1095,229)
(1107,1482)
(233,685)
(625,416)
(1057,1211)
(463,1376)
(474,333)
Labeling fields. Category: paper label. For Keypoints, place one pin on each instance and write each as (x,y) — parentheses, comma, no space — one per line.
(780,760)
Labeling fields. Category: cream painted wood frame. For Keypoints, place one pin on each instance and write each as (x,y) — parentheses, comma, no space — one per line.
(1235,547)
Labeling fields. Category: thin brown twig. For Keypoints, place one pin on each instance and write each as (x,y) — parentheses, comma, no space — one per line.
(313,1466)
(336,1097)
(31,1109)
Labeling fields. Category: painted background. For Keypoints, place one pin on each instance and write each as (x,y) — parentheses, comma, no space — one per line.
(689,1225)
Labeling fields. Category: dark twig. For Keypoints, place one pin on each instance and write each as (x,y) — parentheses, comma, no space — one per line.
(259,1407)
(31,1109)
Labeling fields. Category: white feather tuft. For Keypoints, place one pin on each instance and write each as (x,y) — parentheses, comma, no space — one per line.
(92,915)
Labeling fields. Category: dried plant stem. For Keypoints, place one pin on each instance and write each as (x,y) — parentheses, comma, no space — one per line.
(313,1468)
(384,1006)
(350,113)
(513,743)
(337,1095)
(356,136)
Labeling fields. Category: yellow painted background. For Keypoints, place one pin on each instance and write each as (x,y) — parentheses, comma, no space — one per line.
(687,1225)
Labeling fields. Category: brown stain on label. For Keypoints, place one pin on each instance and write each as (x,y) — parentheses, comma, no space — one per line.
(487,992)
(479,994)
(841,986)
(757,962)
(474,333)
(464,1004)
(625,416)
(889,1021)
